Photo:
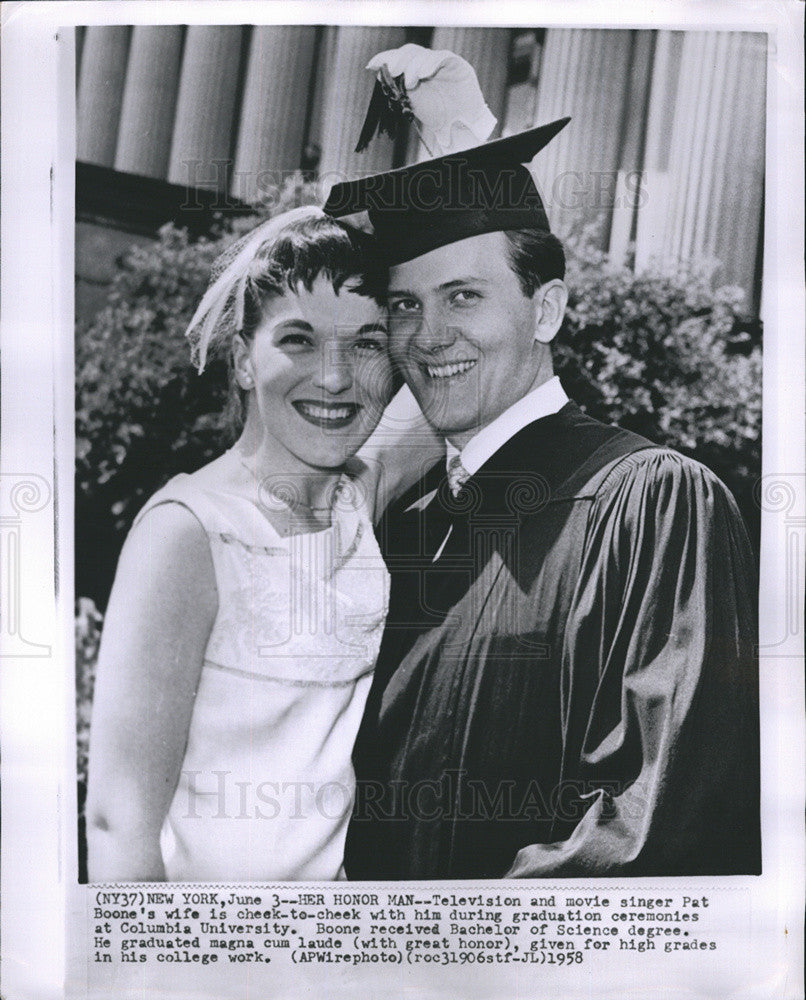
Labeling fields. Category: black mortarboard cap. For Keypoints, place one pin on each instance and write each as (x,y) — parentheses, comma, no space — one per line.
(426,205)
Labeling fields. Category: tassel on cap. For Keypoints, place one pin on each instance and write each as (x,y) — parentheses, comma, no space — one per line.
(388,109)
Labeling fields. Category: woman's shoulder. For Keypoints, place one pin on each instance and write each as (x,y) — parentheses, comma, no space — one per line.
(202,494)
(168,530)
(218,503)
(167,554)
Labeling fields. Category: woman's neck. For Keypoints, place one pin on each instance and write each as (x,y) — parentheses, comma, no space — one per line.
(268,461)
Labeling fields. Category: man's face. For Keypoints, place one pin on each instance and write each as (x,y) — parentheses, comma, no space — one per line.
(463,334)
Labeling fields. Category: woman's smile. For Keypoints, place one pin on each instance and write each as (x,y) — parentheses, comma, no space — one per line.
(327,415)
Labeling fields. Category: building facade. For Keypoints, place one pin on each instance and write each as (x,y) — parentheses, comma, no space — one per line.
(664,158)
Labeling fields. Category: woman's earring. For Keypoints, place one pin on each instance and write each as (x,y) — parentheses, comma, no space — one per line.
(247,382)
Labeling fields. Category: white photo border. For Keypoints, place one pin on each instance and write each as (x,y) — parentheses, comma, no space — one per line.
(40,895)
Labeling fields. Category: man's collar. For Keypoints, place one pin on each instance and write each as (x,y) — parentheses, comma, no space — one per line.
(547,398)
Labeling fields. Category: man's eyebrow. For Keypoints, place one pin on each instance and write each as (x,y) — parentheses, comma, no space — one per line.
(455,282)
(445,286)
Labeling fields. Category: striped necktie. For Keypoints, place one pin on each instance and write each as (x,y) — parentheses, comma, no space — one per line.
(457,475)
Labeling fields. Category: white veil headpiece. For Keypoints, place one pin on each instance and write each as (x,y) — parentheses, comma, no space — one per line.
(225,293)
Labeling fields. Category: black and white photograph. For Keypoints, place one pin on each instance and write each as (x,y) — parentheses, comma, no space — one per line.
(413,499)
(511,631)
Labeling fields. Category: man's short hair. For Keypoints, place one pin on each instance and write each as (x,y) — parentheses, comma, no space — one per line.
(535,256)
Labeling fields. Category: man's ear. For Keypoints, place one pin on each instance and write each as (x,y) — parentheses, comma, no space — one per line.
(242,363)
(551,300)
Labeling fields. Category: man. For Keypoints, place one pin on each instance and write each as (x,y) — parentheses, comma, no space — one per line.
(567,683)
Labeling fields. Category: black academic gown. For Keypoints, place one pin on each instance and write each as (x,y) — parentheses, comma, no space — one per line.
(571,687)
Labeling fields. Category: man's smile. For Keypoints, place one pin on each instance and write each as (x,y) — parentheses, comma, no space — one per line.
(449,369)
(321,414)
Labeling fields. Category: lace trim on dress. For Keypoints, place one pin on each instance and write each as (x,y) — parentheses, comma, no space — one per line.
(287,681)
(270,550)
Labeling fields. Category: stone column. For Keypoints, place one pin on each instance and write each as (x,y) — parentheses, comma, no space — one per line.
(519,113)
(708,165)
(325,54)
(205,106)
(651,220)
(149,100)
(628,192)
(102,75)
(79,32)
(276,92)
(584,74)
(487,51)
(347,90)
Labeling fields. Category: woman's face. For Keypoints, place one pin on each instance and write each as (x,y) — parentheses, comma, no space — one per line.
(320,371)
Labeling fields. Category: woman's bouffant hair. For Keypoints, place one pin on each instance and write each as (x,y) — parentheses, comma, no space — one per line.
(282,255)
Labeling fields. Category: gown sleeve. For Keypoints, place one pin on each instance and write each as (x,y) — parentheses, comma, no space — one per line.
(660,683)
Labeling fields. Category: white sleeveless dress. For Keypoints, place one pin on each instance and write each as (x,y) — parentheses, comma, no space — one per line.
(267,783)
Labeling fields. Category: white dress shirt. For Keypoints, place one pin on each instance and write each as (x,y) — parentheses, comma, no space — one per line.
(547,398)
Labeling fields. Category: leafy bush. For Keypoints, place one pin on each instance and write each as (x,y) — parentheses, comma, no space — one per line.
(669,357)
(88,637)
(88,622)
(141,416)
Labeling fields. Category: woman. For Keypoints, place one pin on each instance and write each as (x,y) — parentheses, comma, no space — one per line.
(250,596)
